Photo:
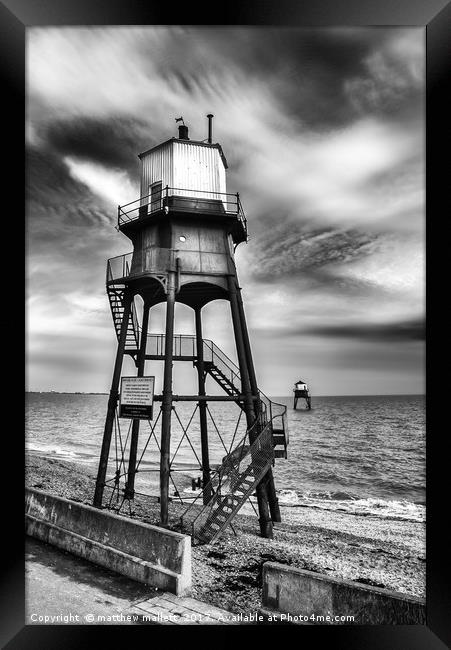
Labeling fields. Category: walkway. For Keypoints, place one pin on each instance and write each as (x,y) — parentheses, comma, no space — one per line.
(63,589)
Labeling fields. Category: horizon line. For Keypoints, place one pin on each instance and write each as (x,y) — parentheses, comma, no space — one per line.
(72,392)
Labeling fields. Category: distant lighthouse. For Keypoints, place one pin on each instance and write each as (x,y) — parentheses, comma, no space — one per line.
(185,228)
(301,391)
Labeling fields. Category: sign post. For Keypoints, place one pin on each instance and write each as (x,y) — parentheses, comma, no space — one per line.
(136,398)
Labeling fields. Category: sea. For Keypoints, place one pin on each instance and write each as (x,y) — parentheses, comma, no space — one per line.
(364,455)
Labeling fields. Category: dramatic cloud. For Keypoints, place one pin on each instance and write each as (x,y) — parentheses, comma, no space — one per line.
(323,130)
(113,142)
(384,332)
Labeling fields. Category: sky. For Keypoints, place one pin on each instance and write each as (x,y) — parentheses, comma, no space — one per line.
(323,130)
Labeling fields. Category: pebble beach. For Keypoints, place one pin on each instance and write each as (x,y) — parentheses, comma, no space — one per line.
(387,553)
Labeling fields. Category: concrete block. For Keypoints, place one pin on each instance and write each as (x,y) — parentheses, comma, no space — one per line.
(289,590)
(145,553)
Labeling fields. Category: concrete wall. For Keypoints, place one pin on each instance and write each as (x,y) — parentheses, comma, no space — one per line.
(149,554)
(287,590)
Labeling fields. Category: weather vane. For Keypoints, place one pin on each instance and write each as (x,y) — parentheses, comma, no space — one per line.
(180,119)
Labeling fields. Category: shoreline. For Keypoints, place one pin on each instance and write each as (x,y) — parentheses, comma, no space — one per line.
(388,553)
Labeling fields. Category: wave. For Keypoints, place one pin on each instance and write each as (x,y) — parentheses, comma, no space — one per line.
(345,502)
(58,453)
(341,501)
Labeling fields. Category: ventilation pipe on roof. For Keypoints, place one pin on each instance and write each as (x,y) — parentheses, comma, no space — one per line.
(210,119)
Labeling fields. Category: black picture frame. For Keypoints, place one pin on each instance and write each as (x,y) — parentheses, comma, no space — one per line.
(435,17)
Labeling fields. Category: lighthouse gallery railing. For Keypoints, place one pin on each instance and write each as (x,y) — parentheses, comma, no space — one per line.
(195,200)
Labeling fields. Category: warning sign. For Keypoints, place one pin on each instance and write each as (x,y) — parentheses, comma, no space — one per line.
(136,399)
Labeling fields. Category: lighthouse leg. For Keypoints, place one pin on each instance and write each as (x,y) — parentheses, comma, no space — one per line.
(268,480)
(202,407)
(262,497)
(167,401)
(112,403)
(130,485)
(272,497)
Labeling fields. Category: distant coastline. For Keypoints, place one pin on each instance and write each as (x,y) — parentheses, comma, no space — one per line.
(59,392)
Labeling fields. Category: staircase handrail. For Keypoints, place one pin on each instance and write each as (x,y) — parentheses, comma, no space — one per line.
(269,404)
(216,351)
(273,410)
(121,262)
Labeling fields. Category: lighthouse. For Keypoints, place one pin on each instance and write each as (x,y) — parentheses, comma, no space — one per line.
(184,229)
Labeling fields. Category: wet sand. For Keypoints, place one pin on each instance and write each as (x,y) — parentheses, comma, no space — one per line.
(383,552)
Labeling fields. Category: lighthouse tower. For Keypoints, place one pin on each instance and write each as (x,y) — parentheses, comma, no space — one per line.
(184,229)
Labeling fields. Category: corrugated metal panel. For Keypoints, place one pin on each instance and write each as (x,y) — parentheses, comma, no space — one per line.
(157,166)
(221,173)
(198,168)
(190,168)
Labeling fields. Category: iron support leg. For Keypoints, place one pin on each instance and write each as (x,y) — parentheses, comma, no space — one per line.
(268,481)
(131,474)
(112,403)
(272,497)
(262,497)
(166,407)
(207,494)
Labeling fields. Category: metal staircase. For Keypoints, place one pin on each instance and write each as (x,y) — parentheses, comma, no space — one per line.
(116,290)
(244,468)
(222,380)
(227,375)
(116,296)
(234,482)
